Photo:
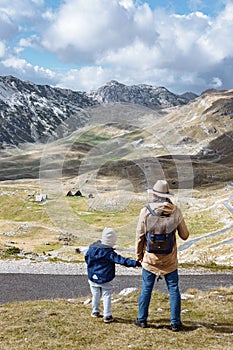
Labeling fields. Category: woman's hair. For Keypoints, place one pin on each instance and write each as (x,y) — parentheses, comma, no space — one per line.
(161,199)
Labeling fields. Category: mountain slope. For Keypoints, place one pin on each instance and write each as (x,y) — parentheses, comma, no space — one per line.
(204,126)
(146,95)
(33,113)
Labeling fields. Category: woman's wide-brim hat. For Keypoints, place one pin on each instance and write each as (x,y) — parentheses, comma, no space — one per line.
(161,189)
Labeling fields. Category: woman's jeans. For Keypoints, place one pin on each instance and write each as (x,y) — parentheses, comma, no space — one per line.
(148,280)
(103,290)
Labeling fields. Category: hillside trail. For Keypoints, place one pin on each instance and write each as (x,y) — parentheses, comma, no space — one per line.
(227,204)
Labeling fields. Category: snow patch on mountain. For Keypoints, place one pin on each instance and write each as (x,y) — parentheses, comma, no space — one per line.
(35,113)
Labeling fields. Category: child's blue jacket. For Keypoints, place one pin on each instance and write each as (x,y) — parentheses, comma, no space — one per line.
(101,260)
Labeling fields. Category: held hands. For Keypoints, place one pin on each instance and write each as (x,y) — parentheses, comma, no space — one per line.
(138,263)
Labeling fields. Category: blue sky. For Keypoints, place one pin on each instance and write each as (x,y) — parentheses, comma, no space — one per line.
(184,45)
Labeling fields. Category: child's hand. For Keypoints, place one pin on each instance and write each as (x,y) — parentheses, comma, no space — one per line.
(138,263)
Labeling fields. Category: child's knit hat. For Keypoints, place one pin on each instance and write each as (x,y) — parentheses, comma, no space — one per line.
(109,237)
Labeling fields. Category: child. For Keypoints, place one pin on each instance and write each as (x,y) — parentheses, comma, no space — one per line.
(101,259)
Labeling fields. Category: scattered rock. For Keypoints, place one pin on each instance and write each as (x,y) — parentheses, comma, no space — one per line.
(127,291)
(40,198)
(187,296)
(184,311)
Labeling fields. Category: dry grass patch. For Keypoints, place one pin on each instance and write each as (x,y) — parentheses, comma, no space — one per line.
(17,205)
(28,224)
(200,223)
(62,324)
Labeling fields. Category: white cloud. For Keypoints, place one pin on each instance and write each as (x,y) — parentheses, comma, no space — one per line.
(7,27)
(127,4)
(85,79)
(2,49)
(25,69)
(216,82)
(15,16)
(17,63)
(118,32)
(119,39)
(85,30)
(32,41)
(19,9)
(217,41)
(91,78)
(137,56)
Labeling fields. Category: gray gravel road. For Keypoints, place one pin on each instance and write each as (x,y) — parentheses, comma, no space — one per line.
(22,287)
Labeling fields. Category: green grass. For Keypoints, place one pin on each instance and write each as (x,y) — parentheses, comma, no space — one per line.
(92,138)
(212,266)
(202,223)
(62,324)
(19,207)
(12,251)
(117,217)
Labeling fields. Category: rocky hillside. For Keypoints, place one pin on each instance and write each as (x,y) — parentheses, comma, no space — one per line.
(205,127)
(193,142)
(32,113)
(146,95)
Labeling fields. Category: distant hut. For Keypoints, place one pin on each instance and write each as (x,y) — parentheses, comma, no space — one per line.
(78,194)
(40,197)
(69,194)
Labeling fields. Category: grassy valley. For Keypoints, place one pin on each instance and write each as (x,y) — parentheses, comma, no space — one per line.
(113,165)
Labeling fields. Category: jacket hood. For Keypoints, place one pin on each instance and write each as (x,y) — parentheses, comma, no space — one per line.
(165,208)
(96,250)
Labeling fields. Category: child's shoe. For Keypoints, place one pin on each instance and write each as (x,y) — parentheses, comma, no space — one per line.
(95,314)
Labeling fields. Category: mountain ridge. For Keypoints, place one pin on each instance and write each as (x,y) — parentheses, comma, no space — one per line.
(147,95)
(34,113)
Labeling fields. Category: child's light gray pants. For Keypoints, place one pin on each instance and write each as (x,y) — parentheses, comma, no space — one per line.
(104,290)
